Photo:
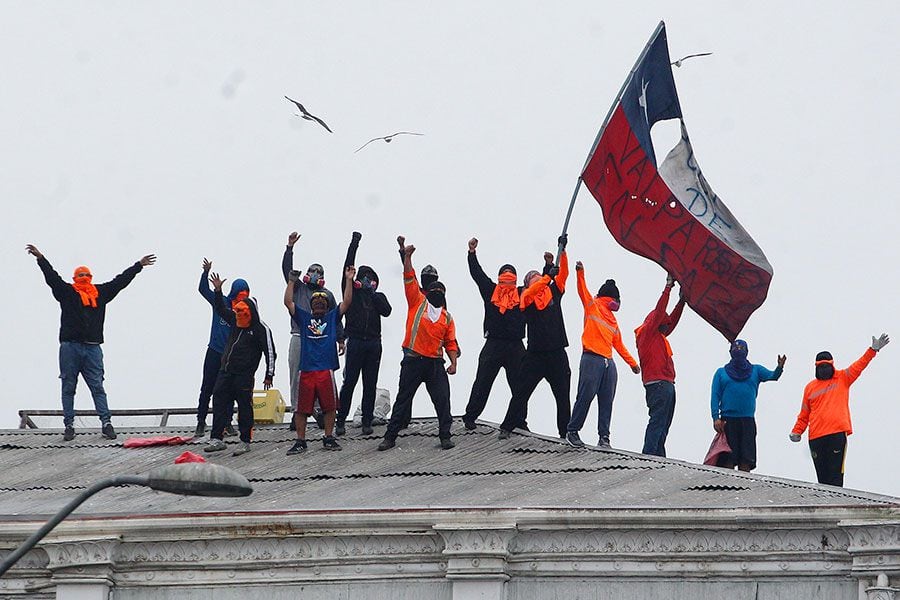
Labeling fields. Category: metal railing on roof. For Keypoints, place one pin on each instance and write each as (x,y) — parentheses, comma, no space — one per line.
(26,422)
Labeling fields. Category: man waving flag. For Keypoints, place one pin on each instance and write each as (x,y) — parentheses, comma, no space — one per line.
(668,213)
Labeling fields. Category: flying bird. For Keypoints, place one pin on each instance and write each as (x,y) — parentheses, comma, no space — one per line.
(308,116)
(386,138)
(678,62)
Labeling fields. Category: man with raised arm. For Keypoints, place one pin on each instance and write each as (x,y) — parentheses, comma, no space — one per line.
(363,330)
(658,369)
(83,312)
(313,281)
(826,411)
(318,359)
(250,339)
(545,357)
(504,328)
(430,331)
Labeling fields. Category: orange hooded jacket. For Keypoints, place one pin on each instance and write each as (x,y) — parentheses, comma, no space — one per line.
(826,403)
(601,330)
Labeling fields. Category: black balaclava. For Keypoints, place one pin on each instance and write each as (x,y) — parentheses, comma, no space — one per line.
(428,276)
(367,277)
(824,370)
(507,267)
(436,294)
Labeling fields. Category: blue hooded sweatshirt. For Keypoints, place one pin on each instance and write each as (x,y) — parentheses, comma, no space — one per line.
(220,329)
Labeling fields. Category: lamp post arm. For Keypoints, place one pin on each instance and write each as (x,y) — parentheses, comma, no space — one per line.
(64,512)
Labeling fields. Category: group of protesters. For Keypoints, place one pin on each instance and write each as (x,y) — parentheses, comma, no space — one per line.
(322,329)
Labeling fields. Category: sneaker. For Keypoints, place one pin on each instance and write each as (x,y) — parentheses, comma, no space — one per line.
(604,442)
(299,447)
(229,430)
(470,425)
(319,417)
(504,434)
(367,430)
(329,443)
(387,444)
(242,448)
(69,434)
(340,429)
(200,430)
(215,445)
(574,440)
(379,421)
(447,443)
(108,431)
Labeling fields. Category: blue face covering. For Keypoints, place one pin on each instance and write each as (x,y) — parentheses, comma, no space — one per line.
(739,368)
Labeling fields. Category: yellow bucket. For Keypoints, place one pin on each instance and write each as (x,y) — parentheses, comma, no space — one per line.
(268,406)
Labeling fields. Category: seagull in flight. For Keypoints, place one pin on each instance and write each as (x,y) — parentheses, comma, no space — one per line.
(386,138)
(678,62)
(308,116)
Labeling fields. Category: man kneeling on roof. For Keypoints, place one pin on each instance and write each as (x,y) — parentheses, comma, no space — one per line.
(429,330)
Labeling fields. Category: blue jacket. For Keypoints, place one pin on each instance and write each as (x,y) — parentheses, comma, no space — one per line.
(220,329)
(732,398)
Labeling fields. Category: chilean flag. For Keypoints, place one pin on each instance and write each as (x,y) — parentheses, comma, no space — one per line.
(668,213)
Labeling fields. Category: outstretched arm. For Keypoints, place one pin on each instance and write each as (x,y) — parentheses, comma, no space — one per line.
(203,287)
(112,288)
(583,292)
(56,283)
(484,283)
(349,274)
(289,294)
(287,260)
(224,311)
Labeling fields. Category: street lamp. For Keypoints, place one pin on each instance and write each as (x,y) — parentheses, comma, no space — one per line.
(189,479)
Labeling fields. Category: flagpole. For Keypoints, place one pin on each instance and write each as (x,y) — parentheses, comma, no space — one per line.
(660,27)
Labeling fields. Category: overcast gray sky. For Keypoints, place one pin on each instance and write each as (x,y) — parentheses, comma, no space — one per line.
(128,128)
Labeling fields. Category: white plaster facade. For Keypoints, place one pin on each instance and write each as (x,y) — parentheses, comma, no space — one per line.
(468,554)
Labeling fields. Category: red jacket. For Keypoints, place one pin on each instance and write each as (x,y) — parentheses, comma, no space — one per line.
(654,352)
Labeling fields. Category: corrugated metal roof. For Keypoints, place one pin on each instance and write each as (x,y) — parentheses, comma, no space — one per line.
(41,473)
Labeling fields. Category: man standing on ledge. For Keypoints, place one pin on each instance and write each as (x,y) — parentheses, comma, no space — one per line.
(658,369)
(504,328)
(826,410)
(83,307)
(429,331)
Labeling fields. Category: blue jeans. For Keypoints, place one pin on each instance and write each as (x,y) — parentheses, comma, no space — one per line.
(597,376)
(661,406)
(86,359)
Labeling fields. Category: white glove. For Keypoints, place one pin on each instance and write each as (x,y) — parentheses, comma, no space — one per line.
(879,343)
(795,437)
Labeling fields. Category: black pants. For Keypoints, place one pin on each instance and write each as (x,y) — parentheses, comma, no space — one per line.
(230,389)
(363,356)
(552,366)
(828,454)
(211,365)
(496,354)
(414,371)
(741,435)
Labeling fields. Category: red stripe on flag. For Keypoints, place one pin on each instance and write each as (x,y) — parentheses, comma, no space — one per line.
(646,218)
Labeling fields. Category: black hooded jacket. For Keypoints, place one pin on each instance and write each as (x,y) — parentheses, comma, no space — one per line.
(246,346)
(365,312)
(77,322)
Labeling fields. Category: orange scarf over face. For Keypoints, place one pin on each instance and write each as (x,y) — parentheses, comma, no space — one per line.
(241,310)
(84,287)
(505,296)
(541,299)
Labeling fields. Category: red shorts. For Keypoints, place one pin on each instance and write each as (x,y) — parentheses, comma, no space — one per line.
(316,385)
